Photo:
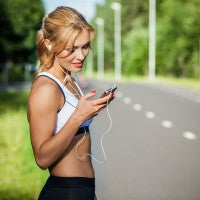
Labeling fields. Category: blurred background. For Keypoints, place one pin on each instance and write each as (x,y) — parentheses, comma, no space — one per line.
(151,49)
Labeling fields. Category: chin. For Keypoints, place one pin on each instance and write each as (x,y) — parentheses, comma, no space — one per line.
(77,70)
(74,69)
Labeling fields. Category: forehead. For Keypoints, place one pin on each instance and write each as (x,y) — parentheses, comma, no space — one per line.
(82,39)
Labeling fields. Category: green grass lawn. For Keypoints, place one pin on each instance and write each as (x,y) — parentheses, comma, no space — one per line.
(189,83)
(20,176)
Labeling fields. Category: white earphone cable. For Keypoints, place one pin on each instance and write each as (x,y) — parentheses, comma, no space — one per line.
(84,137)
(67,76)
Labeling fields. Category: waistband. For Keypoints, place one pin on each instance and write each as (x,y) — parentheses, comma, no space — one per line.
(82,130)
(57,181)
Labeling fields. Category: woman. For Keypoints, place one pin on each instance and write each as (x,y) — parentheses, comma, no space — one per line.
(59,114)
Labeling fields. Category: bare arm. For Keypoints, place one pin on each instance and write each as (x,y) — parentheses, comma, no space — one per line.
(44,103)
(42,113)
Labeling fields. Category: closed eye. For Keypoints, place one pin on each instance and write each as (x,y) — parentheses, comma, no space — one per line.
(72,50)
(86,46)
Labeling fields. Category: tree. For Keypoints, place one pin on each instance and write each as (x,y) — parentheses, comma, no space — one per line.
(20,19)
(177,36)
(131,10)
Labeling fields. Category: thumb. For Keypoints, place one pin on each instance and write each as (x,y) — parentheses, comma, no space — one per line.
(90,94)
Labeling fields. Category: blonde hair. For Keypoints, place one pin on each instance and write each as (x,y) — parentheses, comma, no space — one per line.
(61,27)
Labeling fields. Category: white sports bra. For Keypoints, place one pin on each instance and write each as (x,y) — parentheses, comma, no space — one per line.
(69,105)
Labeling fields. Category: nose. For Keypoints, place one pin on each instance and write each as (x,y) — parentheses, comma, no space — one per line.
(80,55)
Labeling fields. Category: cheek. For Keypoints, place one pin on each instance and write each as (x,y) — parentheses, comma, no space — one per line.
(65,57)
(85,52)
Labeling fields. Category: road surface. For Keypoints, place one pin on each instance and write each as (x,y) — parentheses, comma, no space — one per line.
(153,148)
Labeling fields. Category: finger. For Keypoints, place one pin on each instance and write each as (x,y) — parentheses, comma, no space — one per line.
(111,99)
(101,107)
(102,100)
(90,94)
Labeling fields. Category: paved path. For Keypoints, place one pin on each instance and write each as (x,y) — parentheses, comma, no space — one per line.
(153,148)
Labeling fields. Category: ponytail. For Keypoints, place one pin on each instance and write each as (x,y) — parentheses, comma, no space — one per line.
(46,58)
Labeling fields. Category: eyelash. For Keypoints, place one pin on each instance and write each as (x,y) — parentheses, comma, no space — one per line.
(84,47)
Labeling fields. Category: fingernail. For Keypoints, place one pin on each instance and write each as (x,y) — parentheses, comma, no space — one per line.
(93,91)
(112,94)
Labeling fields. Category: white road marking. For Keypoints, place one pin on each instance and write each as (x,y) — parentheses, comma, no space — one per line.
(137,107)
(127,100)
(189,135)
(190,96)
(167,124)
(150,114)
(118,95)
(184,94)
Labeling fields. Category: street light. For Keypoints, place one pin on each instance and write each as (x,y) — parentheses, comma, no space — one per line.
(100,47)
(152,38)
(117,35)
(199,59)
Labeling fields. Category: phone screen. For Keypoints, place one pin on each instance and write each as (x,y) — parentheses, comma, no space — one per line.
(108,91)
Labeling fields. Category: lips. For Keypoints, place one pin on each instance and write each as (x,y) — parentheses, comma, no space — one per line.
(79,65)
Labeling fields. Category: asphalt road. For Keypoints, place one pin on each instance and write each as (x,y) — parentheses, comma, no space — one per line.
(153,148)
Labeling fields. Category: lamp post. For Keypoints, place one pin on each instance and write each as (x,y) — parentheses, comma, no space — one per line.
(199,59)
(117,35)
(100,47)
(152,38)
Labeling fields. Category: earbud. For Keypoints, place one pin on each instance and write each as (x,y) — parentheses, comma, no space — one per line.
(49,47)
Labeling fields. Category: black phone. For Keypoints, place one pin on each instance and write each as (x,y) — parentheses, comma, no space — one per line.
(108,91)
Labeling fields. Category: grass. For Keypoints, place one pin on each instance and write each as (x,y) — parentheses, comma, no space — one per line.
(20,177)
(189,83)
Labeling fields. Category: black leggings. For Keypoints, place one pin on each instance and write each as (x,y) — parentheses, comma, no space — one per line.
(68,188)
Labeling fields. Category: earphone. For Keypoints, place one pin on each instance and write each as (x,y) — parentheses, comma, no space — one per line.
(84,137)
(49,47)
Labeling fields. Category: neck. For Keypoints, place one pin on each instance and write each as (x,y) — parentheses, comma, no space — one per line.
(61,73)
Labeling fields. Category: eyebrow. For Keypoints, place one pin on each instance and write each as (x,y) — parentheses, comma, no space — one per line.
(88,43)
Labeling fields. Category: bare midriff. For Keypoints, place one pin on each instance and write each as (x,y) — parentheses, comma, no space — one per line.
(68,165)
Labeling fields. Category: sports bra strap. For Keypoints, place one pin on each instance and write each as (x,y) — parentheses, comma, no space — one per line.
(55,80)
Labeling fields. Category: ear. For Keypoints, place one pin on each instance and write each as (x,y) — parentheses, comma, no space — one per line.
(48,44)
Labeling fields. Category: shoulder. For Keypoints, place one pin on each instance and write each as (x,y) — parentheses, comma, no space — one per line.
(44,87)
(45,93)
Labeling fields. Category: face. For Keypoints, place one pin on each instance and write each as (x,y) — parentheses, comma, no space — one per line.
(72,59)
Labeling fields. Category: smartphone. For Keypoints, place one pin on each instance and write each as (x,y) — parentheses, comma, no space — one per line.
(108,91)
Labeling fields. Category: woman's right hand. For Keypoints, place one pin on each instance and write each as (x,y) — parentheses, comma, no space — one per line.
(87,109)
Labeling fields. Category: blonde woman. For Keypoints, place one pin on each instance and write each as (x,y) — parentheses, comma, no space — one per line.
(59,114)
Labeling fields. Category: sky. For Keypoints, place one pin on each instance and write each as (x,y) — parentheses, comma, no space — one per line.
(85,7)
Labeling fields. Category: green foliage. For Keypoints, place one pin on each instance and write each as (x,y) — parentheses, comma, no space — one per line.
(130,11)
(20,19)
(11,101)
(135,48)
(177,36)
(105,12)
(21,178)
